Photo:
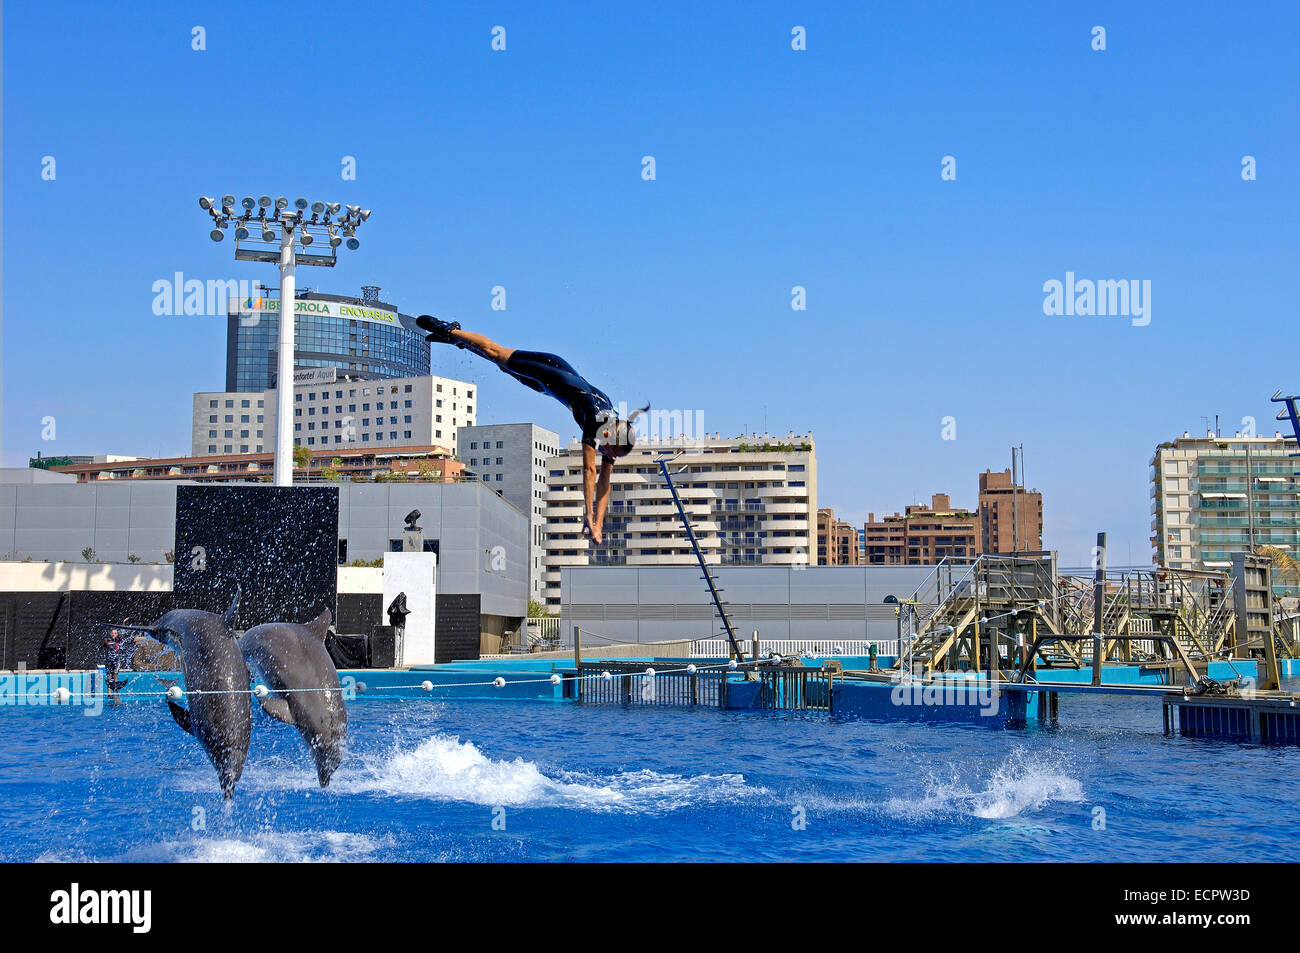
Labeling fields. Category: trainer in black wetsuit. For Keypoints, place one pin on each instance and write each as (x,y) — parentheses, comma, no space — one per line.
(592,409)
(553,375)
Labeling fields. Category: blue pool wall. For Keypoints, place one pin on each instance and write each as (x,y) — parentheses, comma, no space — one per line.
(528,679)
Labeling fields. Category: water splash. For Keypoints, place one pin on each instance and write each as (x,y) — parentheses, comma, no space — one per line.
(1021,784)
(445,768)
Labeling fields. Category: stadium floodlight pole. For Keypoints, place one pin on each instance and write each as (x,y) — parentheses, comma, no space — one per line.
(257,239)
(284,370)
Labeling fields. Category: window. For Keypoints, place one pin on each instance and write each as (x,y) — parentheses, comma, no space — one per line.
(212,403)
(212,447)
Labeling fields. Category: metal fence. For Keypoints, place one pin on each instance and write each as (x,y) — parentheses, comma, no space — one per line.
(720,648)
(612,682)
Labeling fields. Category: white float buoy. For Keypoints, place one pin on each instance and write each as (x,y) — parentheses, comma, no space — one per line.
(426,685)
(649,673)
(498,682)
(690,669)
(260,691)
(605,676)
(555,679)
(732,664)
(175,693)
(62,695)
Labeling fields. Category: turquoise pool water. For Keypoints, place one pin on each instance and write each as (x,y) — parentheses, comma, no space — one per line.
(528,780)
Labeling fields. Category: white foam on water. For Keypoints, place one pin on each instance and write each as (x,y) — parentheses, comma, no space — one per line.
(445,768)
(1019,785)
(257,847)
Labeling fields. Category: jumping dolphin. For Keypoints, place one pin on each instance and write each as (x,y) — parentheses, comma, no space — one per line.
(212,663)
(304,685)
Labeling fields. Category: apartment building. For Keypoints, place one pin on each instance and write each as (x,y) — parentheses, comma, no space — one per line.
(1214,496)
(922,535)
(838,542)
(751,500)
(1011,517)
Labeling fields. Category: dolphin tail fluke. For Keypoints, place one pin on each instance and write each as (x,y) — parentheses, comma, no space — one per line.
(278,709)
(181,715)
(327,762)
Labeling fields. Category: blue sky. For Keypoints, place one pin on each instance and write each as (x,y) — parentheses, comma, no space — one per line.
(775,168)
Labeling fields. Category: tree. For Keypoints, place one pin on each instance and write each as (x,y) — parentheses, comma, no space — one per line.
(331,473)
(1284,564)
(88,554)
(301,457)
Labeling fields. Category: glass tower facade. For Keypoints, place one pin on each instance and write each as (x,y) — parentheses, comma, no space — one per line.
(361,348)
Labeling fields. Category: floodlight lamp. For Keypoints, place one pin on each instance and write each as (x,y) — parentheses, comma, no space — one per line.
(335,241)
(264,201)
(267,234)
(363,214)
(300,204)
(353,243)
(227,201)
(216,234)
(332,207)
(353,210)
(317,207)
(248,202)
(241,232)
(205,203)
(306,237)
(281,202)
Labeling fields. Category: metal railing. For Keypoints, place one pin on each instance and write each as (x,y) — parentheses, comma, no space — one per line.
(629,684)
(717,648)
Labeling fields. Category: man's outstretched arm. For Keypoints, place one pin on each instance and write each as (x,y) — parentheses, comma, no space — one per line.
(602,494)
(589,492)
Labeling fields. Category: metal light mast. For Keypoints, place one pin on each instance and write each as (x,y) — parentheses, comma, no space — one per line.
(285,236)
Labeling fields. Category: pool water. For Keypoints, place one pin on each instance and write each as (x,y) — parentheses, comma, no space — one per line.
(517,781)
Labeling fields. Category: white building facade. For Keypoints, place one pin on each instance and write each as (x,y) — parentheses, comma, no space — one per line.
(751,500)
(335,411)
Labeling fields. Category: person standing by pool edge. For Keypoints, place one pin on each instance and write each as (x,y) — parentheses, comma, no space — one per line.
(601,428)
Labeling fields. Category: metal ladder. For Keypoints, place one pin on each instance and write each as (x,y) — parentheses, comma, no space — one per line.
(704,567)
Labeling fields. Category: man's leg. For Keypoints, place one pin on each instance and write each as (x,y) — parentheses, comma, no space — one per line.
(484,346)
(449,332)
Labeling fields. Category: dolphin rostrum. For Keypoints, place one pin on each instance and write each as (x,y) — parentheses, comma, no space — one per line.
(304,685)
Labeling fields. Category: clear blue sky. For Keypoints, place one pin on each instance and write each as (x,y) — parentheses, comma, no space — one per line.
(775,168)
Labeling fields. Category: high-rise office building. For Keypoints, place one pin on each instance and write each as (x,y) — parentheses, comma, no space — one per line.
(359,337)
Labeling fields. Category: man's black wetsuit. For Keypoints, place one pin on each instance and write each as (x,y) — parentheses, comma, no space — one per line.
(552,374)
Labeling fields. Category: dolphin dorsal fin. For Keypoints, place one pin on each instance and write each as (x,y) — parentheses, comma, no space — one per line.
(229,617)
(320,626)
